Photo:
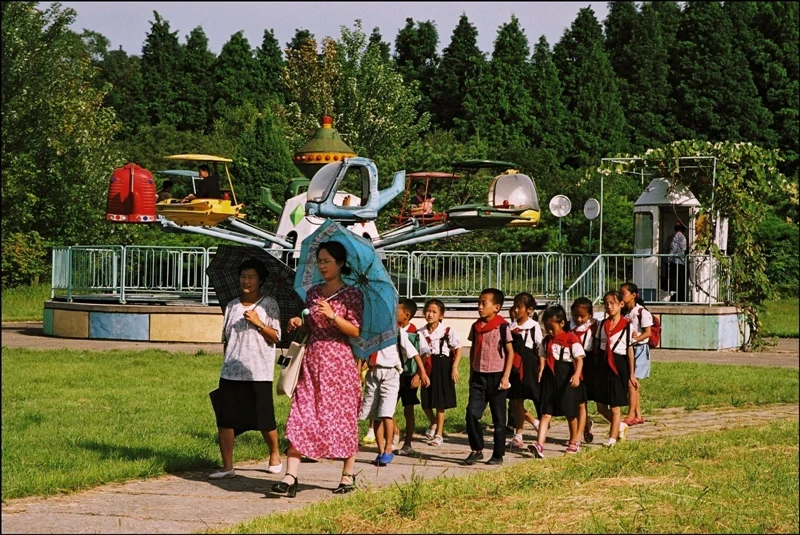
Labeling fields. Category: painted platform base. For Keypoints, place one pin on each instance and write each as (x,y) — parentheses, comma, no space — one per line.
(683,327)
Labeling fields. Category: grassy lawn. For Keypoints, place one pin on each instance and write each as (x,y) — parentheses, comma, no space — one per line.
(734,481)
(25,303)
(74,419)
(780,318)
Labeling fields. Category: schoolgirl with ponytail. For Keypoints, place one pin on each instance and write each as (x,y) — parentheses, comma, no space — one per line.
(641,321)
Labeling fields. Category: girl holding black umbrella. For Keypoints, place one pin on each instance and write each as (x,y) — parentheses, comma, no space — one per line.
(244,401)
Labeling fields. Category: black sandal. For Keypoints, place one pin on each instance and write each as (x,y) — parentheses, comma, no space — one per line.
(285,488)
(344,489)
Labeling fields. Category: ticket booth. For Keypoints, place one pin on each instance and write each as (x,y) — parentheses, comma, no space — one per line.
(655,213)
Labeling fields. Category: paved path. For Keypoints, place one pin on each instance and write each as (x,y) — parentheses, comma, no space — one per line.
(29,335)
(189,502)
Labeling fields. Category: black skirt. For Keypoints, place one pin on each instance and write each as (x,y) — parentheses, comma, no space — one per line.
(609,388)
(590,374)
(528,386)
(558,397)
(244,405)
(441,394)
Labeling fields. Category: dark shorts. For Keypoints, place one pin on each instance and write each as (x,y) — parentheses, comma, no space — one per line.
(407,394)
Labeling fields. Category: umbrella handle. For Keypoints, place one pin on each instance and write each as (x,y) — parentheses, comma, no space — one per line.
(304,314)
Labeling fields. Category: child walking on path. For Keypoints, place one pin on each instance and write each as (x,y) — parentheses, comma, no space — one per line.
(526,335)
(614,364)
(491,358)
(641,320)
(442,350)
(413,375)
(560,363)
(584,326)
(382,388)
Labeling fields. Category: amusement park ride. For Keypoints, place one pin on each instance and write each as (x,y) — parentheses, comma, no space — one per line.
(328,164)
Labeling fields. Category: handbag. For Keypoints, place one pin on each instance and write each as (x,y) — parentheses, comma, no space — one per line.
(290,364)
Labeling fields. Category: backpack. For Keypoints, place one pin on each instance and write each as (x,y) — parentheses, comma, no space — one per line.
(409,365)
(655,332)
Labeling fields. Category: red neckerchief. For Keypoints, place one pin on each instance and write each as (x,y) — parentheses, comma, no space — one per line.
(411,328)
(482,327)
(609,333)
(564,339)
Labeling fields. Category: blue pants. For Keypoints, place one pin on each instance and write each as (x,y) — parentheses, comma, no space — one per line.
(485,388)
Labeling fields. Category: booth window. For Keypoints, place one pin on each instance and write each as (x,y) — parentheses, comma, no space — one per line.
(643,231)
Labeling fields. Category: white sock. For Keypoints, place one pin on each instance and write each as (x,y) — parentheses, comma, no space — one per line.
(518,436)
(371,432)
(612,440)
(622,425)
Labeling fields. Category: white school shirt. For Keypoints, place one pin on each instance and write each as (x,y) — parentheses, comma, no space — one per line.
(633,319)
(622,348)
(432,348)
(584,332)
(576,350)
(531,332)
(389,357)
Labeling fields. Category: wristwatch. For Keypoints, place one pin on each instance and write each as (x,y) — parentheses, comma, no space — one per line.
(335,315)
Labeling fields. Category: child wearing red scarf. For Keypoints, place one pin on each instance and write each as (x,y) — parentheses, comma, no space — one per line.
(613,376)
(490,370)
(561,360)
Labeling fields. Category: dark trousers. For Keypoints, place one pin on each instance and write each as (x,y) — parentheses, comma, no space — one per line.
(677,281)
(485,388)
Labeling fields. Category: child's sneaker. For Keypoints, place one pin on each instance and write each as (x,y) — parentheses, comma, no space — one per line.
(515,444)
(385,459)
(406,450)
(573,447)
(430,432)
(437,441)
(537,450)
(370,438)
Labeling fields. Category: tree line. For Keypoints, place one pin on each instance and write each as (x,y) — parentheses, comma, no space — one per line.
(649,74)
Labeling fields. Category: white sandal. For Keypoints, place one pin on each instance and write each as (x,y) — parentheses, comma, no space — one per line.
(430,432)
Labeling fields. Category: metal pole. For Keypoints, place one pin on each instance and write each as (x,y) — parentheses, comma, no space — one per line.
(590,236)
(122,276)
(559,235)
(69,274)
(602,180)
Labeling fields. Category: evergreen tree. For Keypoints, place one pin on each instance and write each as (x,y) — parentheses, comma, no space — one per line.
(263,159)
(196,82)
(376,39)
(646,90)
(714,94)
(416,57)
(619,25)
(596,121)
(459,69)
(550,111)
(236,74)
(502,105)
(161,62)
(125,96)
(270,61)
(299,39)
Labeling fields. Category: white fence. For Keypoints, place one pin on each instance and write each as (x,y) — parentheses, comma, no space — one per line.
(149,273)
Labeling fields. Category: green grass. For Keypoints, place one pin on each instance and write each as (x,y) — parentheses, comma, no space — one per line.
(733,481)
(74,419)
(25,303)
(780,318)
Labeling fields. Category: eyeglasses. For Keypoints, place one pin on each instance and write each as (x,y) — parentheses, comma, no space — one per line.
(325,262)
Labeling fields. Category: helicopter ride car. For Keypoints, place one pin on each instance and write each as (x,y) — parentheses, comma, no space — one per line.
(203,212)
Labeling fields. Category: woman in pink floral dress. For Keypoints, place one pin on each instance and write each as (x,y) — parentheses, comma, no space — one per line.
(323,420)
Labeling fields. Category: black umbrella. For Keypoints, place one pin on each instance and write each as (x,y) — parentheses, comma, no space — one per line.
(223,275)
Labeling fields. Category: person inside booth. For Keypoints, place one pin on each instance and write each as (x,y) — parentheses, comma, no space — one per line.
(209,186)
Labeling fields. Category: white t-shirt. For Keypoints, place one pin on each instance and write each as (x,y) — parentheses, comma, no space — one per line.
(584,332)
(531,332)
(621,347)
(570,353)
(248,356)
(429,342)
(633,319)
(389,357)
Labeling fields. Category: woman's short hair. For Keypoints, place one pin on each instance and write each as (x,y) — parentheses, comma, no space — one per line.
(258,265)
(338,252)
(679,226)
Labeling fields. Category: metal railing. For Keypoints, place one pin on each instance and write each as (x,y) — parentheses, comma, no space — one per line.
(452,275)
(169,273)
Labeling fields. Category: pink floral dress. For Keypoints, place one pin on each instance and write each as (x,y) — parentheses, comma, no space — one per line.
(323,420)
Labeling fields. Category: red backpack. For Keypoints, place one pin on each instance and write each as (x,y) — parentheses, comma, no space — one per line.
(655,332)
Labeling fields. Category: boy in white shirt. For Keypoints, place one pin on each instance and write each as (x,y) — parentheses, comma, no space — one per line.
(382,388)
